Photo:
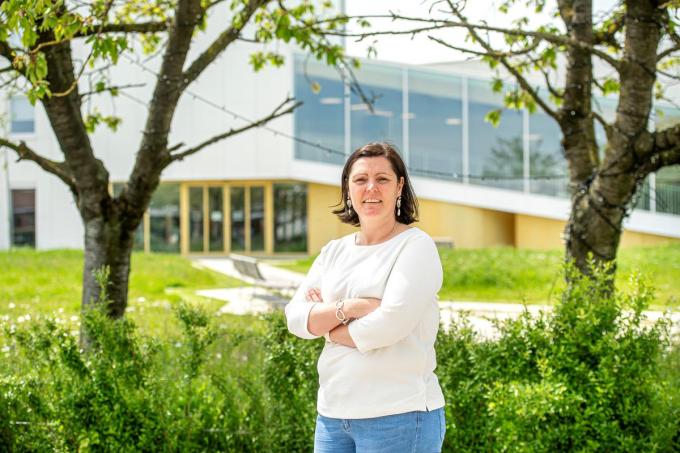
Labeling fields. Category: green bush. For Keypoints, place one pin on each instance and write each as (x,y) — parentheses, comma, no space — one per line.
(585,377)
(588,376)
(292,382)
(128,392)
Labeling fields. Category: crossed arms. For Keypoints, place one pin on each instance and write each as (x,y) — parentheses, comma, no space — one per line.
(322,316)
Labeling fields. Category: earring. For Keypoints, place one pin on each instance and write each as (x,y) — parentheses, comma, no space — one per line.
(349,206)
(399,206)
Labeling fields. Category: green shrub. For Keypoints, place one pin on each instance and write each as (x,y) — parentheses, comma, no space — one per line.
(128,392)
(583,378)
(588,376)
(292,382)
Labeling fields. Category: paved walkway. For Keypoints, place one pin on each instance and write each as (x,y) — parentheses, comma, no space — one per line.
(251,300)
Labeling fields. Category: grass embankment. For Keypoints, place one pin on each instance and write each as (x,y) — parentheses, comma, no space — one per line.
(510,275)
(49,282)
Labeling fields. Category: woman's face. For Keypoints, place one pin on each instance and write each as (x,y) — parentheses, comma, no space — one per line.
(374,188)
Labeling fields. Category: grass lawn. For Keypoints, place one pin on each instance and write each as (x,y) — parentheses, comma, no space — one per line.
(510,275)
(49,282)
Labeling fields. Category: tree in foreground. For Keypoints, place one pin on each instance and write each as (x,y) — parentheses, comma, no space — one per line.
(637,41)
(43,42)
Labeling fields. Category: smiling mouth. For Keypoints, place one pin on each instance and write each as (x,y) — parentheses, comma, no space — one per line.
(372,201)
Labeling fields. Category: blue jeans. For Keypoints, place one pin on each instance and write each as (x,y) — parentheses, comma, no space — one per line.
(411,432)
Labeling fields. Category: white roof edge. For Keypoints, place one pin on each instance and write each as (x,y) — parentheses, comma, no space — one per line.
(494,199)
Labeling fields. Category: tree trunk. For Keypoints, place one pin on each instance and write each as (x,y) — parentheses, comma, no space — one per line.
(594,234)
(107,245)
(602,193)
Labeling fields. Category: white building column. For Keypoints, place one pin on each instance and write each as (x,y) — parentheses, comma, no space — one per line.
(465,131)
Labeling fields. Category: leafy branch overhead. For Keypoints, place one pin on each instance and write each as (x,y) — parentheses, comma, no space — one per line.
(63,54)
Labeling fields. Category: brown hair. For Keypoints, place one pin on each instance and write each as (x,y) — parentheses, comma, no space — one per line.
(409,202)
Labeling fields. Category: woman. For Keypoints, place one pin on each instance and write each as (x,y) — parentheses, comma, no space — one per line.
(372,294)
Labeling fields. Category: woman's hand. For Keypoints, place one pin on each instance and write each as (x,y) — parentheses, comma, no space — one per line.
(313,295)
(358,307)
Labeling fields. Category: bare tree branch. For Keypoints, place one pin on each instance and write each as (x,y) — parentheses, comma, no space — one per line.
(59,169)
(153,155)
(441,23)
(221,42)
(112,88)
(663,54)
(607,36)
(277,112)
(600,119)
(549,85)
(142,27)
(657,150)
(499,56)
(494,54)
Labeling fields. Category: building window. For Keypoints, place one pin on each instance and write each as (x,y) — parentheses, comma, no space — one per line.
(546,160)
(383,86)
(195,219)
(238,218)
(164,219)
(290,218)
(496,153)
(22,115)
(667,195)
(215,219)
(23,218)
(256,219)
(435,124)
(320,119)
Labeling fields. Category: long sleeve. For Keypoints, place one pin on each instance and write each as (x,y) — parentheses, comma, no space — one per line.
(412,285)
(297,310)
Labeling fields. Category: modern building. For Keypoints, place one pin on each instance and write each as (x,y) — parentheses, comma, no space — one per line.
(270,191)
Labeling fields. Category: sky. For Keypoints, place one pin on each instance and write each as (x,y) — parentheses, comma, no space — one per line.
(420,50)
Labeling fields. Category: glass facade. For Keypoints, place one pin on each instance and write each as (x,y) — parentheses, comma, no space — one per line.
(496,153)
(22,115)
(23,218)
(666,197)
(257,219)
(437,120)
(195,219)
(164,219)
(215,219)
(320,119)
(238,218)
(290,218)
(382,86)
(435,125)
(546,159)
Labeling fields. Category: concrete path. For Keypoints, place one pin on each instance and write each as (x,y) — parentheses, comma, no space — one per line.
(251,300)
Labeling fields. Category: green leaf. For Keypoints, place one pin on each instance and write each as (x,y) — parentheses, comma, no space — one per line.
(493,117)
(610,86)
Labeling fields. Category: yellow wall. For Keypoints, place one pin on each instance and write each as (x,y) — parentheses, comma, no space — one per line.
(539,233)
(322,224)
(468,227)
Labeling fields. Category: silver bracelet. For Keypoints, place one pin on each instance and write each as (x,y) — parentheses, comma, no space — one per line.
(339,314)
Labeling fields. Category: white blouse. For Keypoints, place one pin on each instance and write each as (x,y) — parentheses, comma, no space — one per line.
(391,371)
